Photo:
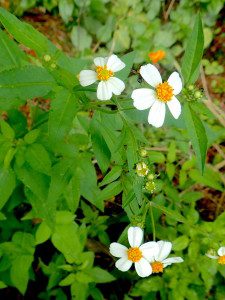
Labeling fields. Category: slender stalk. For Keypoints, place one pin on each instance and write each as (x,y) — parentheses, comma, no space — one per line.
(153,221)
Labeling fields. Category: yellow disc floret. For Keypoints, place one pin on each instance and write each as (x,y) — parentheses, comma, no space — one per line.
(134,254)
(221,260)
(164,91)
(103,73)
(157,267)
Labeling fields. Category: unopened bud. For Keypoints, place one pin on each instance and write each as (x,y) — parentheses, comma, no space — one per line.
(151,176)
(47,57)
(198,94)
(190,87)
(150,186)
(143,153)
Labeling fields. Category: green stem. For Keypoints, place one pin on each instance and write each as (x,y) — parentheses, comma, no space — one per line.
(152,220)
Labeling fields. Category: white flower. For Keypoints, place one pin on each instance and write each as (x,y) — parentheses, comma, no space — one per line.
(104,71)
(138,253)
(220,257)
(157,99)
(159,260)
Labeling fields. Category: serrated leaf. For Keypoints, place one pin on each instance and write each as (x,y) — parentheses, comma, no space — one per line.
(26,82)
(128,59)
(169,212)
(110,191)
(197,135)
(193,52)
(111,176)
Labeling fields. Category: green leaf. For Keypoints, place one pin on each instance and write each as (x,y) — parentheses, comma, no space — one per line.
(110,191)
(72,194)
(193,53)
(169,212)
(128,59)
(7,185)
(111,176)
(26,82)
(11,55)
(197,135)
(31,136)
(101,150)
(63,111)
(38,158)
(24,33)
(66,9)
(2,285)
(180,243)
(209,178)
(42,234)
(65,238)
(7,131)
(80,38)
(100,276)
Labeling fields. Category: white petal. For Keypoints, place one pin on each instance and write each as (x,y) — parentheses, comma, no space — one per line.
(151,75)
(175,81)
(212,256)
(143,98)
(87,77)
(164,250)
(123,264)
(118,250)
(115,64)
(174,107)
(148,250)
(172,260)
(104,91)
(143,268)
(116,85)
(100,61)
(135,236)
(157,114)
(221,251)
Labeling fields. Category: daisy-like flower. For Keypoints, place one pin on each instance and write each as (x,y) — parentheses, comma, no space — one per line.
(138,253)
(220,257)
(104,72)
(159,260)
(163,93)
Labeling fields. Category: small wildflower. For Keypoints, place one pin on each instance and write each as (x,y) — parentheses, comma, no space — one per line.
(142,169)
(164,94)
(143,153)
(220,257)
(47,57)
(159,260)
(104,72)
(138,253)
(150,186)
(157,56)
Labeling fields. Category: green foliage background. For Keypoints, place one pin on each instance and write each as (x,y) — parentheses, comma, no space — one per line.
(67,180)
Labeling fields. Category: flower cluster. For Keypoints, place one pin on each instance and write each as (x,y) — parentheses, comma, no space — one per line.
(163,93)
(148,258)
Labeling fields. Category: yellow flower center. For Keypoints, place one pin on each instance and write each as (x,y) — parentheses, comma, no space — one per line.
(134,254)
(164,92)
(157,267)
(221,260)
(103,73)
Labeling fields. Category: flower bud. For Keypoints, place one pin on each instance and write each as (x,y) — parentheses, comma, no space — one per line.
(191,87)
(47,57)
(143,153)
(198,94)
(150,186)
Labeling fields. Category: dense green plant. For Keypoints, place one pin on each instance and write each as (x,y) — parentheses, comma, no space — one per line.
(64,171)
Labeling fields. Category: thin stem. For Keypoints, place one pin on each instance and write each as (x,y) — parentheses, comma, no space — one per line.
(152,220)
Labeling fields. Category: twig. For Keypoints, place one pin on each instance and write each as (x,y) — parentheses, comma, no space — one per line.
(167,13)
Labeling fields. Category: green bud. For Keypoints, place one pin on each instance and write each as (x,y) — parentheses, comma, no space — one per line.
(198,94)
(191,87)
(47,57)
(53,66)
(143,153)
(151,176)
